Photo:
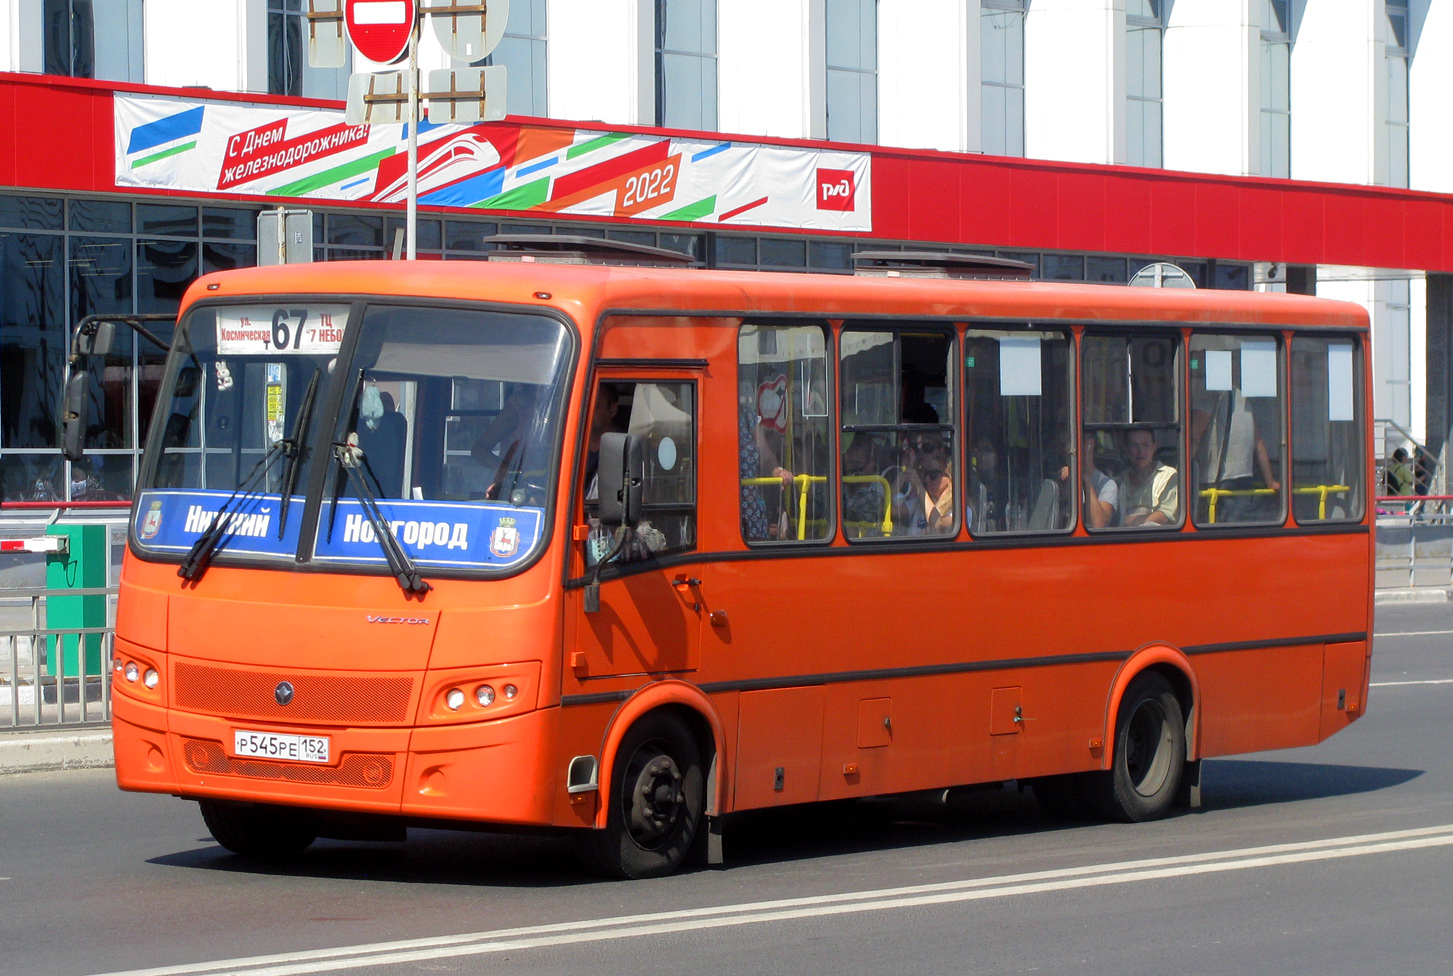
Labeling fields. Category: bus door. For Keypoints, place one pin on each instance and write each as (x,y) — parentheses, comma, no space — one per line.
(648,620)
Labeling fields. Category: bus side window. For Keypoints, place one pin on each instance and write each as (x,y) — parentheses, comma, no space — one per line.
(898,426)
(1236,405)
(1017,397)
(1326,448)
(664,414)
(1132,430)
(784,437)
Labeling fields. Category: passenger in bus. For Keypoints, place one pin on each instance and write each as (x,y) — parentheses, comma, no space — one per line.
(1229,453)
(382,435)
(758,460)
(864,503)
(1149,490)
(985,507)
(506,439)
(1101,493)
(928,495)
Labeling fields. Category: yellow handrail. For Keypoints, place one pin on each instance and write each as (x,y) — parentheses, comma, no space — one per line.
(1216,494)
(805,481)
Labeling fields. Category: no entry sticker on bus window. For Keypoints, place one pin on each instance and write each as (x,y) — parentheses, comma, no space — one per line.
(257,330)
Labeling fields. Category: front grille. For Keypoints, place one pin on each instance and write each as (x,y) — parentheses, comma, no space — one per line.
(340,700)
(367,770)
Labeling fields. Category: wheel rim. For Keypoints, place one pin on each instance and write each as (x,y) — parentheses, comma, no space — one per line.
(1148,747)
(655,800)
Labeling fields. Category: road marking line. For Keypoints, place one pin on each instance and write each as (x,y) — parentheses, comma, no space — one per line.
(1390,684)
(685,920)
(1415,633)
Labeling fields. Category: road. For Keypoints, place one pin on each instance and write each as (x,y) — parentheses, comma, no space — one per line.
(1333,859)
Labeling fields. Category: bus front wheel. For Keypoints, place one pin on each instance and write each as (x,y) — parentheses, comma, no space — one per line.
(1149,755)
(656,798)
(258,830)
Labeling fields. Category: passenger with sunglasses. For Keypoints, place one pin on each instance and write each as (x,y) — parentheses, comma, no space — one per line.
(927,494)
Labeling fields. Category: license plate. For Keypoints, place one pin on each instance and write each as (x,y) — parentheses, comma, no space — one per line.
(273,745)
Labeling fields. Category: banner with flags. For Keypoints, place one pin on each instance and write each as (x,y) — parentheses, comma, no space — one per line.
(311,154)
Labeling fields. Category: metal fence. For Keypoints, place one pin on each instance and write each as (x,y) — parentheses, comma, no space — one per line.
(1415,541)
(46,678)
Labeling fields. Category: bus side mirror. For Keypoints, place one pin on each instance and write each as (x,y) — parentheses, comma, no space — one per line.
(622,472)
(96,338)
(73,415)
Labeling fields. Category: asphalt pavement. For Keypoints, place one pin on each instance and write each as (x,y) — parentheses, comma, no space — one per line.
(1332,859)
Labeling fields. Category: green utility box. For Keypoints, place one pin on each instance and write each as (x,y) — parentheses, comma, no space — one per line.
(83,567)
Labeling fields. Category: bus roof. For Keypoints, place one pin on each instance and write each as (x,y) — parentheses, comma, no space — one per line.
(584,291)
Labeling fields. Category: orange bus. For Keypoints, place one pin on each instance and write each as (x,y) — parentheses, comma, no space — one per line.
(623,550)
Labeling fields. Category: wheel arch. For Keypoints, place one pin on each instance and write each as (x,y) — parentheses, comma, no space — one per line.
(691,705)
(1176,667)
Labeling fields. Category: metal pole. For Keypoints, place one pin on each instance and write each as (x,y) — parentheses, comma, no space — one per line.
(412,222)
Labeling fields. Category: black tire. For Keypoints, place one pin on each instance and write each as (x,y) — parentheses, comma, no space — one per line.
(657,794)
(258,830)
(1062,797)
(1149,755)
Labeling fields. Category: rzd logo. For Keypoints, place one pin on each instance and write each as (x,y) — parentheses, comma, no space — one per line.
(836,189)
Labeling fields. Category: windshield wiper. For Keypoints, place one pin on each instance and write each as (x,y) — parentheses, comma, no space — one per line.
(295,451)
(350,459)
(199,557)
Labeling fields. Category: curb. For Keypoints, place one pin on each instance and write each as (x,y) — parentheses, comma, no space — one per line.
(50,749)
(1421,594)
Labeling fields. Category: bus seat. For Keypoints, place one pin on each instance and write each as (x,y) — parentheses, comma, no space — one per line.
(1046,505)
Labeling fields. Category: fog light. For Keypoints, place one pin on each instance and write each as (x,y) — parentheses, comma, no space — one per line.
(151,678)
(510,692)
(484,694)
(454,699)
(131,671)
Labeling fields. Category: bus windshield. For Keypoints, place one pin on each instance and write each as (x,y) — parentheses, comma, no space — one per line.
(445,425)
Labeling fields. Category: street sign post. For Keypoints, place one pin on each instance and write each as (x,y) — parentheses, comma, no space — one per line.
(381,29)
(327,45)
(468,29)
(385,31)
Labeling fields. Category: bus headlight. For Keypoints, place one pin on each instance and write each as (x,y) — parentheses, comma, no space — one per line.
(131,671)
(455,699)
(151,678)
(484,694)
(510,692)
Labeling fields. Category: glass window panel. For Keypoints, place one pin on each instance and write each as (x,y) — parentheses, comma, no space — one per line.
(31,213)
(33,341)
(1131,413)
(688,92)
(994,28)
(1028,257)
(101,277)
(225,222)
(1105,269)
(467,235)
(1014,122)
(646,237)
(1236,406)
(430,235)
(736,251)
(829,254)
(1326,442)
(101,216)
(1135,63)
(784,433)
(525,60)
(1064,267)
(101,478)
(1236,277)
(33,477)
(780,253)
(843,27)
(1018,425)
(992,102)
(164,269)
(166,220)
(1280,81)
(117,30)
(693,244)
(897,403)
(284,54)
(664,415)
(358,230)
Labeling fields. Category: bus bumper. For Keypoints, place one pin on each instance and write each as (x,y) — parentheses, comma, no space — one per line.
(493,772)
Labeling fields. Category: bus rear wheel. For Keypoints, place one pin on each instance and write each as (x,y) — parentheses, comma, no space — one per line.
(1149,755)
(655,802)
(258,830)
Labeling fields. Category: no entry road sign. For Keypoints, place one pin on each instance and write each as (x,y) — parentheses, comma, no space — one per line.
(380,29)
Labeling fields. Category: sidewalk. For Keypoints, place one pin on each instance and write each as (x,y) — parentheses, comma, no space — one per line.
(34,750)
